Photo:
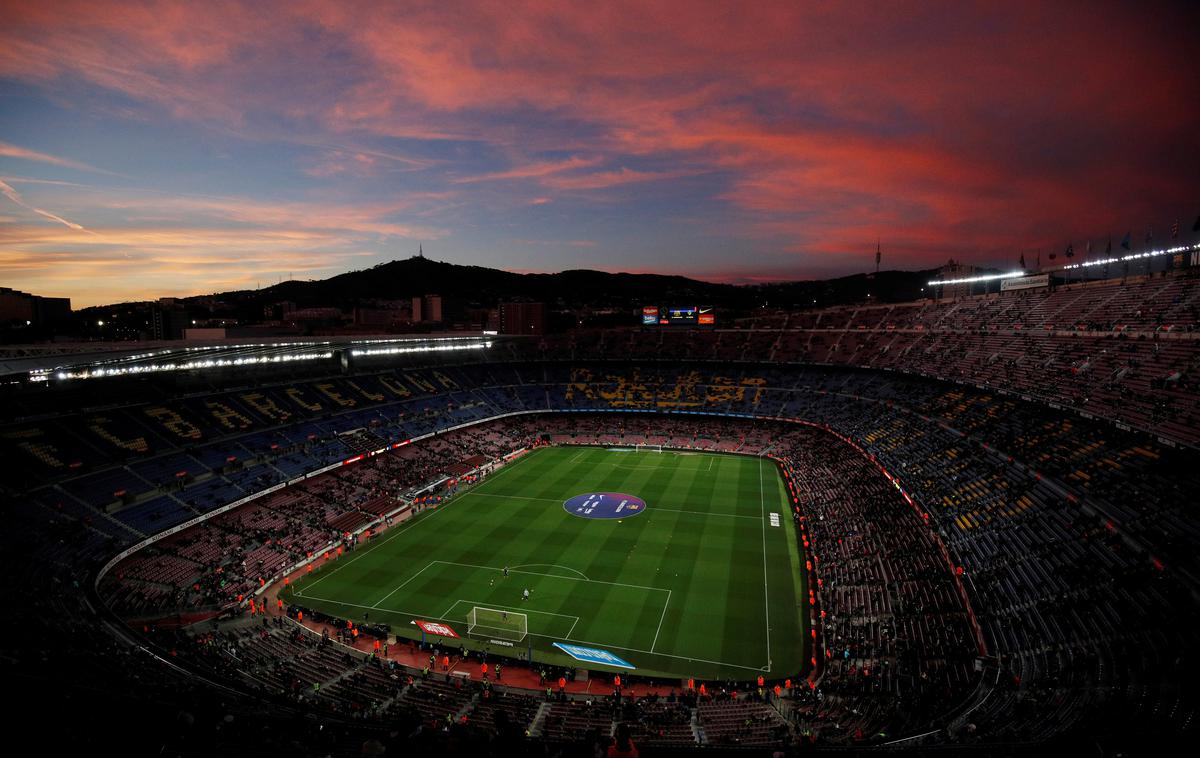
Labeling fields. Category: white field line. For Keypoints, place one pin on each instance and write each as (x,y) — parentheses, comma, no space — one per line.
(761,517)
(766,597)
(553,565)
(606,645)
(523,610)
(555,576)
(702,513)
(649,509)
(446,615)
(644,464)
(660,620)
(416,521)
(514,497)
(406,581)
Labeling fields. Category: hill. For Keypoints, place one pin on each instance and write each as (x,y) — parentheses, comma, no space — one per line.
(578,287)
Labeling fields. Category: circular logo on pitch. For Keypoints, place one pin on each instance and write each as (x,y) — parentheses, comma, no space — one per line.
(605,505)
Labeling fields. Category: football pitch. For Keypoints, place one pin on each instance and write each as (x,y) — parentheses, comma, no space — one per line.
(683,564)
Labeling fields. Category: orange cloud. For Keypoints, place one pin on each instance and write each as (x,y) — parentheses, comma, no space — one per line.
(816,126)
(123,264)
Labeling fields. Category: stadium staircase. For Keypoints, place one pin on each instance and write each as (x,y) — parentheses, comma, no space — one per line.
(539,719)
(467,708)
(1101,306)
(697,730)
(327,684)
(386,704)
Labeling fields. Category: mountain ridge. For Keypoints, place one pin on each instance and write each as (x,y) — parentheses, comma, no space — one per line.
(404,278)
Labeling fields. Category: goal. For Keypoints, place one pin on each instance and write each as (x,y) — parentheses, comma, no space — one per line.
(494,622)
(643,448)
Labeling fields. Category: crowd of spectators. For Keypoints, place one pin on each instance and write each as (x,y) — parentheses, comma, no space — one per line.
(1033,579)
(220,561)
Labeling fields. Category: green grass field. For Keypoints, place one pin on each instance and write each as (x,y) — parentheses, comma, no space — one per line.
(700,583)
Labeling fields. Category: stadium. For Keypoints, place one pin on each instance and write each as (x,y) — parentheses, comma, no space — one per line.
(843,527)
(599,380)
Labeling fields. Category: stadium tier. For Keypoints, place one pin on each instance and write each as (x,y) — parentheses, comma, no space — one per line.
(937,524)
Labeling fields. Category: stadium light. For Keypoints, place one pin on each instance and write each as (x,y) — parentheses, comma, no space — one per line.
(199,359)
(980,278)
(151,368)
(1071,266)
(419,349)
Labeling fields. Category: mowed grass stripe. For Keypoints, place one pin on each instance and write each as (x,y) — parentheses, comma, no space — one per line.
(784,565)
(488,524)
(681,565)
(427,590)
(598,559)
(345,570)
(561,542)
(678,546)
(743,626)
(638,552)
(625,482)
(706,564)
(700,547)
(554,549)
(699,556)
(613,549)
(693,489)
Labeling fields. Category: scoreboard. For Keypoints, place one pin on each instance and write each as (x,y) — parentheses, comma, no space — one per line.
(687,315)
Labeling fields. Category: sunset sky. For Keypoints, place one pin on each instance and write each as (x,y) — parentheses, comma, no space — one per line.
(151,149)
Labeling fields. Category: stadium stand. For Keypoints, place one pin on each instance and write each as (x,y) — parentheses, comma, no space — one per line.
(998,489)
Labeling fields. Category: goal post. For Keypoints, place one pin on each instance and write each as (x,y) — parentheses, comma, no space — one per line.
(497,622)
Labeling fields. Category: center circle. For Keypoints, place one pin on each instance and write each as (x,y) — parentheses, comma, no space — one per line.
(604,505)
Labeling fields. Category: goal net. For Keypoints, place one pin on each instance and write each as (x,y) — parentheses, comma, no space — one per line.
(644,448)
(493,622)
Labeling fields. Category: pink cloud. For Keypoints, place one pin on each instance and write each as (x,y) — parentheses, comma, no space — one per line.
(536,170)
(338,162)
(8,150)
(14,196)
(966,126)
(605,179)
(556,243)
